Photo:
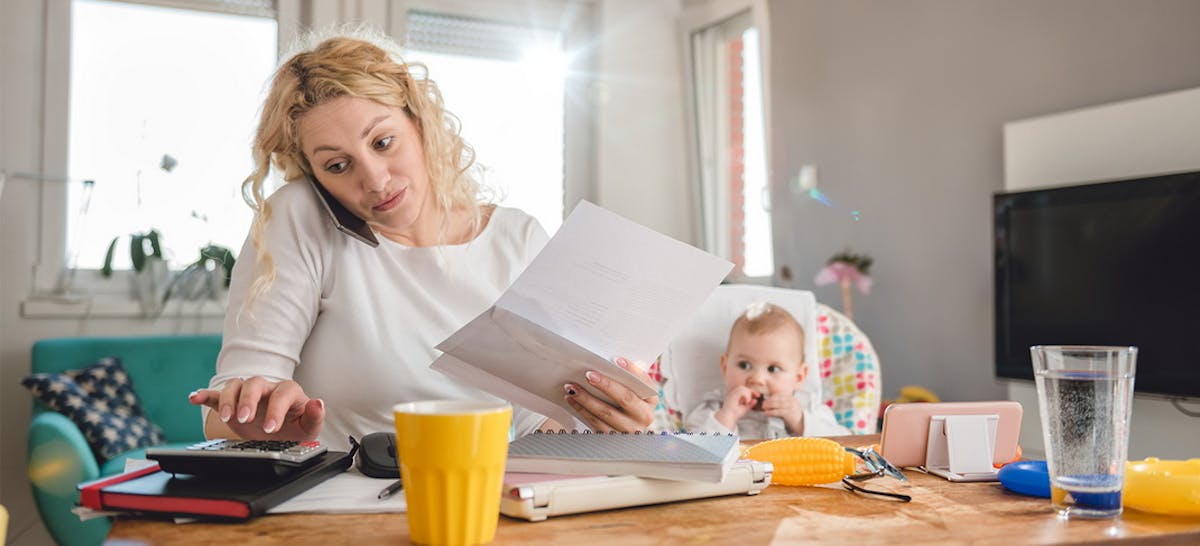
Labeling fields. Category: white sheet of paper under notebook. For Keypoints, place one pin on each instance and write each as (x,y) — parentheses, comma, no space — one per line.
(603,287)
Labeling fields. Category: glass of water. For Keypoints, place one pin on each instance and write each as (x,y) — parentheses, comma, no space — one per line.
(1085,397)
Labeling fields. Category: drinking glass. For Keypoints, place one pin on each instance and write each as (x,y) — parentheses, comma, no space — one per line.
(1085,396)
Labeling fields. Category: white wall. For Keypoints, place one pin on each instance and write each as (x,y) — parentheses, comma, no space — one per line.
(641,170)
(900,104)
(1141,137)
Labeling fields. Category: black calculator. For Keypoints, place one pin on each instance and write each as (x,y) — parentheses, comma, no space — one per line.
(237,458)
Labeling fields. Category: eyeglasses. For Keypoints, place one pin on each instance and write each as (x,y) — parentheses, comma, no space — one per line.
(876,466)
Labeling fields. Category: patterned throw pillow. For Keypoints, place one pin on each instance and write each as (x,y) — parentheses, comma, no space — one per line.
(100,400)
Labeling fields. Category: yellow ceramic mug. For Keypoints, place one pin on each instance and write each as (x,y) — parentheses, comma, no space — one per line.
(452,455)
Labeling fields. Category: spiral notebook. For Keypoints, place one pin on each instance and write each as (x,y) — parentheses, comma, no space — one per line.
(672,456)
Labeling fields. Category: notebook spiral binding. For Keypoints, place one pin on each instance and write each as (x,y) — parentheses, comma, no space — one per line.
(636,432)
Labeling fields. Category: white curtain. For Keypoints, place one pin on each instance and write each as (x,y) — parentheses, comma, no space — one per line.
(707,73)
(710,79)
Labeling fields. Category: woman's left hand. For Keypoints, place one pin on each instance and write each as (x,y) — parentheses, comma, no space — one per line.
(631,412)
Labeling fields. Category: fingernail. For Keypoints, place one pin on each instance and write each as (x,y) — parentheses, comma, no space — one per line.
(193,394)
(623,362)
(570,389)
(243,415)
(321,402)
(269,427)
(226,413)
(592,377)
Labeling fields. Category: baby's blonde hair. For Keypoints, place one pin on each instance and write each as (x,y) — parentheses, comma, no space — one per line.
(762,318)
(354,62)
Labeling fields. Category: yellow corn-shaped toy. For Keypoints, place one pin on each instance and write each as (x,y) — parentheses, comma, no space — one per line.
(803,461)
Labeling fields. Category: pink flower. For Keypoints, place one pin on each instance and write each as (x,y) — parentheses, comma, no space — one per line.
(837,272)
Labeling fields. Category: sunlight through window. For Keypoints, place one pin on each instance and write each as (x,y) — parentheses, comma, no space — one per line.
(163,104)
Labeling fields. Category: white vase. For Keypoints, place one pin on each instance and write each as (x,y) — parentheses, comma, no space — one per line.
(150,285)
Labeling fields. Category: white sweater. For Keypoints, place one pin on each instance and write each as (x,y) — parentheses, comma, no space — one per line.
(356,326)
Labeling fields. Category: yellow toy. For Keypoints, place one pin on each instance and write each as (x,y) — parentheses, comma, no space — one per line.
(916,393)
(804,460)
(1163,487)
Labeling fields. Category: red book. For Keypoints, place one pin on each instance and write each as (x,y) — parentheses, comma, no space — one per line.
(152,491)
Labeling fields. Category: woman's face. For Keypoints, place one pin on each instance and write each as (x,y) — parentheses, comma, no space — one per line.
(370,157)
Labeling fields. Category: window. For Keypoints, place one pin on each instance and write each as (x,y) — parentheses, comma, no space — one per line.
(730,152)
(162,108)
(506,84)
(155,102)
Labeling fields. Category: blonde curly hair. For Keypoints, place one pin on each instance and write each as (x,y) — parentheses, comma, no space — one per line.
(361,63)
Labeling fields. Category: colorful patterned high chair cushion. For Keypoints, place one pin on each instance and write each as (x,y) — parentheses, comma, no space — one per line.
(849,371)
(665,417)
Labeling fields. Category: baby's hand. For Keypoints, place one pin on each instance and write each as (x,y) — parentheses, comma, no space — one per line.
(738,402)
(788,408)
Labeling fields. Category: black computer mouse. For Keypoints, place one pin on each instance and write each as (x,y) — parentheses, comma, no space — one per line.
(377,456)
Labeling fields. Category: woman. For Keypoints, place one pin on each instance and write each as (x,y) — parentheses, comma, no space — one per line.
(324,334)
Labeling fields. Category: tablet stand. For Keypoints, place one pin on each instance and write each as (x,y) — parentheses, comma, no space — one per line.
(960,447)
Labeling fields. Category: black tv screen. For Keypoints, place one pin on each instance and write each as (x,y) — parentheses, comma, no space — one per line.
(1113,263)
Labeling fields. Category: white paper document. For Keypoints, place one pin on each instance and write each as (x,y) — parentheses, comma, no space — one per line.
(603,287)
(347,493)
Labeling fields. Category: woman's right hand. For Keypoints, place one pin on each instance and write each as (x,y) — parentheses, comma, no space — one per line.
(258,409)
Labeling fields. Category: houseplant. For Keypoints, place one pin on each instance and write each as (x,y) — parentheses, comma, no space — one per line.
(150,271)
(152,282)
(142,246)
(204,277)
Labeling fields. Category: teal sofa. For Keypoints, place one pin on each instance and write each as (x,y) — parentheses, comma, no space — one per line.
(163,369)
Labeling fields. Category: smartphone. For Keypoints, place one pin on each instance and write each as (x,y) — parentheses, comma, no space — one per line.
(906,428)
(345,221)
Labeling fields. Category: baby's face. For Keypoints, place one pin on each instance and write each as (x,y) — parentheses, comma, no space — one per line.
(766,362)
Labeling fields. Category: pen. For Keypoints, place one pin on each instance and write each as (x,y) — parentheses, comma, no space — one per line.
(391,489)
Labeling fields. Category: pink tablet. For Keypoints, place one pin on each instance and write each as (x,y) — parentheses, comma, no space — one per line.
(906,428)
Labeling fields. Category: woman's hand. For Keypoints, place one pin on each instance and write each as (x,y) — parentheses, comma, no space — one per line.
(630,414)
(259,409)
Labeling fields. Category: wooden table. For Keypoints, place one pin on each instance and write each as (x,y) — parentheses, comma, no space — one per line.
(941,512)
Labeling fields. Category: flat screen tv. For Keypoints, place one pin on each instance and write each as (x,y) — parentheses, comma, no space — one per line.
(1112,263)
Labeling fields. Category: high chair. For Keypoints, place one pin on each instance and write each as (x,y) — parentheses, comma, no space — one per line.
(843,368)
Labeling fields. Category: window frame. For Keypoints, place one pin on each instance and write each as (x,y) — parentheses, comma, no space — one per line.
(52,266)
(694,18)
(579,18)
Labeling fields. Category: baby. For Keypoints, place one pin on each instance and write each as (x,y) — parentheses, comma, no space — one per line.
(763,368)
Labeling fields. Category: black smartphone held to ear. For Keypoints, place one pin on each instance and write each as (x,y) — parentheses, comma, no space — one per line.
(345,221)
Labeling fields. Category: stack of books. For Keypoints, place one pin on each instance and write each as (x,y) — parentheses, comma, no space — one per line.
(152,491)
